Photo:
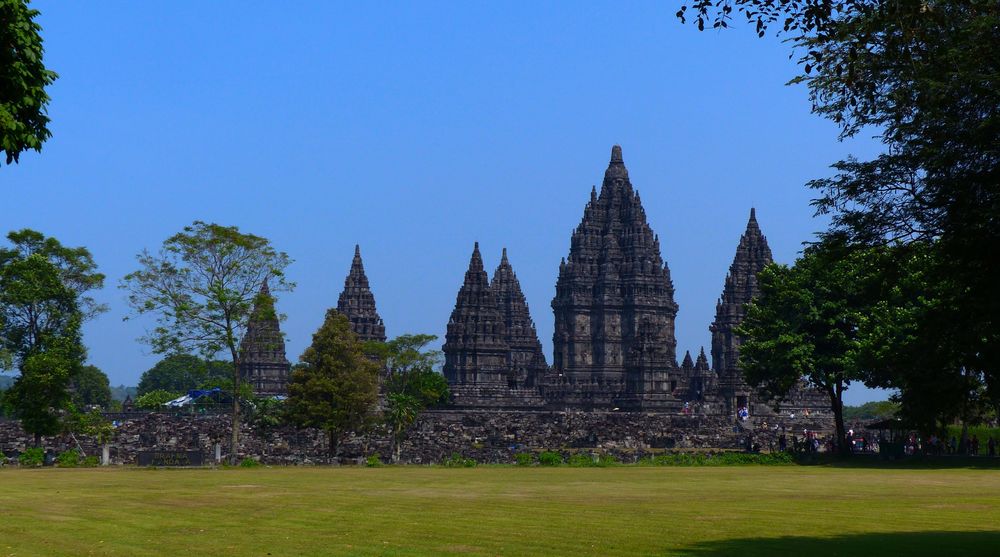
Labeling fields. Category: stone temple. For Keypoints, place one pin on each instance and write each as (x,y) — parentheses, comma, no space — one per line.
(614,347)
(263,364)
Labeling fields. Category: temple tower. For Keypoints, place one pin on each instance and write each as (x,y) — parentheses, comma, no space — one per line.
(263,364)
(475,347)
(358,303)
(752,255)
(614,305)
(526,362)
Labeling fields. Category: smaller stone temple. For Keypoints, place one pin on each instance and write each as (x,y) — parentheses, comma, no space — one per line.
(263,364)
(492,354)
(358,303)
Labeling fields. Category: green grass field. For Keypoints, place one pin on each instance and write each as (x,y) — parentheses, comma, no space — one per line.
(730,510)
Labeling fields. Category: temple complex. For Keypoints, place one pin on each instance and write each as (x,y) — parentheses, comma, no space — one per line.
(357,302)
(263,364)
(613,345)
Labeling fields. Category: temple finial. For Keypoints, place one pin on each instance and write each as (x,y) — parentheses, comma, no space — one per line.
(616,155)
(357,250)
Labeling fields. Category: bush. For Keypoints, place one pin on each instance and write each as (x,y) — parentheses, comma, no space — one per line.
(32,457)
(91,461)
(524,459)
(249,463)
(721,459)
(374,461)
(154,400)
(68,459)
(581,460)
(549,458)
(458,461)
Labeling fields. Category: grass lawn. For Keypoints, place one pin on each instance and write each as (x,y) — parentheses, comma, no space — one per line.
(729,510)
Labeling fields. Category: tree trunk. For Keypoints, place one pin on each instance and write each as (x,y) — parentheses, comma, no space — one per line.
(235,445)
(397,449)
(837,405)
(334,443)
(38,440)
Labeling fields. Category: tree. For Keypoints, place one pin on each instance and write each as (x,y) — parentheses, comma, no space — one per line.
(337,388)
(805,326)
(412,382)
(182,372)
(90,387)
(154,400)
(23,79)
(43,304)
(202,287)
(922,76)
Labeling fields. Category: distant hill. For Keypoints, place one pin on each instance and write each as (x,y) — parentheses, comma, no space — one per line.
(121,391)
(871,411)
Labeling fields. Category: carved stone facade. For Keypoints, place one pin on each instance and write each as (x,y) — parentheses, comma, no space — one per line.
(358,303)
(614,307)
(614,345)
(263,364)
(490,346)
(752,255)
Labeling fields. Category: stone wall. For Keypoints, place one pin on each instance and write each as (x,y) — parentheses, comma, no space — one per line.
(485,435)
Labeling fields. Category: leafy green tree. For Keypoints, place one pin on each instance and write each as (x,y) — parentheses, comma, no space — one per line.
(922,76)
(23,79)
(43,303)
(411,384)
(183,372)
(202,287)
(805,325)
(90,387)
(154,400)
(337,388)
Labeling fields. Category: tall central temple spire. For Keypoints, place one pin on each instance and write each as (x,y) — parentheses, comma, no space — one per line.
(614,305)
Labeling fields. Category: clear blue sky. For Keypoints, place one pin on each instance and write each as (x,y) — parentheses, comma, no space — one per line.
(413,130)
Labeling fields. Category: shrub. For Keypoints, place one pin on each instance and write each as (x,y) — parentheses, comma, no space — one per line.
(523,459)
(249,463)
(68,459)
(458,461)
(91,461)
(721,459)
(604,460)
(550,458)
(373,461)
(582,460)
(154,400)
(32,457)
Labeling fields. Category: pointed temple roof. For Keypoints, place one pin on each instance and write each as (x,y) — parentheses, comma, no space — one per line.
(752,255)
(520,328)
(263,342)
(702,363)
(358,303)
(475,348)
(614,265)
(688,363)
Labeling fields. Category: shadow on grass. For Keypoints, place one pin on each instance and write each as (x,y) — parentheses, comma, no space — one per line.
(894,544)
(915,462)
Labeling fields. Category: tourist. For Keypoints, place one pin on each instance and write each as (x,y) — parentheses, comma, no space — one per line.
(974,446)
(991,446)
(783,443)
